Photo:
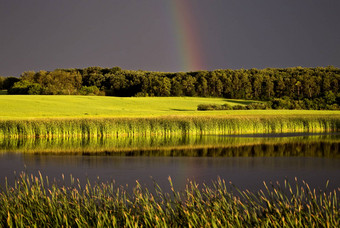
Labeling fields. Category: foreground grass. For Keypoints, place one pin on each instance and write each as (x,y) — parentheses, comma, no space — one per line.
(34,202)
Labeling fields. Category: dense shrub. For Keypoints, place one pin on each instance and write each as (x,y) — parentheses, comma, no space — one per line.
(260,106)
(206,107)
(227,107)
(239,107)
(25,87)
(315,104)
(282,103)
(90,90)
(9,82)
(2,79)
(276,103)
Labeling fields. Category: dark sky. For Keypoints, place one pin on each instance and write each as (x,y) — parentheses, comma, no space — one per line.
(141,34)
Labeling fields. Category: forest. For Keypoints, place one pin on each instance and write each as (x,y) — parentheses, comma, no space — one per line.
(283,88)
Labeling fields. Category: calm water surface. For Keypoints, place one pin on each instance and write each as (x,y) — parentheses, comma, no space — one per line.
(246,161)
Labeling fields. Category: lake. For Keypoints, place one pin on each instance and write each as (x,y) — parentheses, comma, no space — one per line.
(246,160)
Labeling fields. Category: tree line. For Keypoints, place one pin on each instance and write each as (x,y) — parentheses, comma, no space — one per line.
(316,85)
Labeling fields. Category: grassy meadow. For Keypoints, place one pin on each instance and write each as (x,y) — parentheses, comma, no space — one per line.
(95,116)
(24,106)
(63,106)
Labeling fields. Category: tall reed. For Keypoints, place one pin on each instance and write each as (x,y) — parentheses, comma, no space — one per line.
(112,127)
(35,202)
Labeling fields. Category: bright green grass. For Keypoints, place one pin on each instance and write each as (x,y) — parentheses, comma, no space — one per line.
(26,106)
(92,116)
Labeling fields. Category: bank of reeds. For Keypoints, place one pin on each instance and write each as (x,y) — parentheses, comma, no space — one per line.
(112,127)
(34,202)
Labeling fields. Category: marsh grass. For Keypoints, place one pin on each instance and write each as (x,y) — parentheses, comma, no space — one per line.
(36,202)
(162,126)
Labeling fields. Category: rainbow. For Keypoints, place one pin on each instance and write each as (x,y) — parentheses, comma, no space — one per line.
(187,44)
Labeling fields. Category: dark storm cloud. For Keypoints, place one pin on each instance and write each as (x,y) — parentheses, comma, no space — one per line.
(49,34)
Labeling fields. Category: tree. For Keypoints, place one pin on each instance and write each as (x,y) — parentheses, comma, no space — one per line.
(165,87)
(257,86)
(2,79)
(330,97)
(215,85)
(177,85)
(9,82)
(202,86)
(280,87)
(189,86)
(268,88)
(25,87)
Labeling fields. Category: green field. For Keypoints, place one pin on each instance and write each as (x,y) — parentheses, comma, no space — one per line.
(26,106)
(94,116)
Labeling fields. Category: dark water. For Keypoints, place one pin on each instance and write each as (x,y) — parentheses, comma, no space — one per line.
(245,161)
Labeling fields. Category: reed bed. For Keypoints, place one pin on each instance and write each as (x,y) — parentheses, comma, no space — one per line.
(35,202)
(162,126)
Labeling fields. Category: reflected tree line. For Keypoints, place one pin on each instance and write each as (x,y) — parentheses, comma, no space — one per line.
(298,87)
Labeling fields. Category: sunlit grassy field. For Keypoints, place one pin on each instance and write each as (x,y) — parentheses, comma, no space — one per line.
(26,106)
(84,116)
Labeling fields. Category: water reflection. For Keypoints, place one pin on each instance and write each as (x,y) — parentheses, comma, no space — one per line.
(245,161)
(194,146)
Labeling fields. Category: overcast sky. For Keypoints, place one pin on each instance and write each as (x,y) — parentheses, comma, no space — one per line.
(141,34)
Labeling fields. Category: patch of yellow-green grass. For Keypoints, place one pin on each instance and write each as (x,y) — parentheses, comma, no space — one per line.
(34,201)
(39,106)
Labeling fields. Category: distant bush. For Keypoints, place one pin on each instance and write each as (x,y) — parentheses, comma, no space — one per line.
(338,99)
(239,107)
(8,82)
(227,107)
(282,103)
(278,103)
(25,87)
(2,79)
(89,90)
(327,103)
(34,89)
(260,106)
(206,107)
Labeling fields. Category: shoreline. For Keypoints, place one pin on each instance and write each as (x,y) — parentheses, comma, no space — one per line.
(168,125)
